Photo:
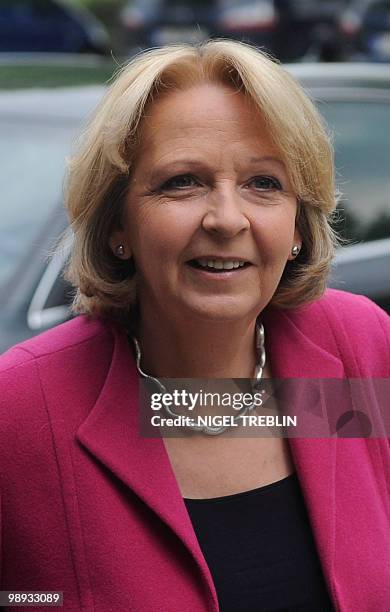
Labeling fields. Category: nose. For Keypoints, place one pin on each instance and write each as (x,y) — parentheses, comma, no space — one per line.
(224,215)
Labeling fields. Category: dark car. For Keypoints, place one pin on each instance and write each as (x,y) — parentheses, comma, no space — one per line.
(39,127)
(365,30)
(150,23)
(49,26)
(288,29)
(375,31)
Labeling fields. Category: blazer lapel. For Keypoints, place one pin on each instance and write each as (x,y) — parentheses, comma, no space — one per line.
(294,355)
(111,434)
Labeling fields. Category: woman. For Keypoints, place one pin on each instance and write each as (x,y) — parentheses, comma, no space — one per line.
(200,199)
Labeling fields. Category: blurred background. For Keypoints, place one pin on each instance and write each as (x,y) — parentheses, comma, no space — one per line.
(56,57)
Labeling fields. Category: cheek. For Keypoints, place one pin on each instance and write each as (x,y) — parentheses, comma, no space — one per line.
(160,232)
(274,237)
(158,237)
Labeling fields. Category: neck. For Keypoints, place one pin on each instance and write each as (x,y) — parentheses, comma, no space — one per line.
(197,349)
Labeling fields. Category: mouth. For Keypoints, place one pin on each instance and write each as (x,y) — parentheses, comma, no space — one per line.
(218,265)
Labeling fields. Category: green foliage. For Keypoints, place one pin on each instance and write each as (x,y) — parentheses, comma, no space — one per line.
(106,10)
(35,75)
(91,4)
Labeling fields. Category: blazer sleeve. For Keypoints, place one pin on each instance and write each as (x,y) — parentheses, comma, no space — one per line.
(27,466)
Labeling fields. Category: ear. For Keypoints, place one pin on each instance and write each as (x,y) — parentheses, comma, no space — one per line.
(118,239)
(296,242)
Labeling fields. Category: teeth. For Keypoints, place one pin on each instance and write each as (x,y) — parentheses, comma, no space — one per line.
(218,264)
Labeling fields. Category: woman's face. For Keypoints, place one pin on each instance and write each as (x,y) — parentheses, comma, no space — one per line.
(210,212)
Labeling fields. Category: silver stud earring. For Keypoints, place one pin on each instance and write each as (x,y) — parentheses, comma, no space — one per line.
(119,250)
(295,250)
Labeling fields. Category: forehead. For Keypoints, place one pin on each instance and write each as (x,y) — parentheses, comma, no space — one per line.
(197,113)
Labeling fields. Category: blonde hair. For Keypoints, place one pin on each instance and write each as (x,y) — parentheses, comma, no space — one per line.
(99,171)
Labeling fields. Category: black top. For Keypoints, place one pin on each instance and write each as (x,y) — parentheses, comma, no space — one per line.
(260,550)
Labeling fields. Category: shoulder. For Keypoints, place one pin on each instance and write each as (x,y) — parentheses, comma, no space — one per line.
(74,333)
(73,337)
(347,309)
(349,324)
(352,308)
(353,312)
(57,363)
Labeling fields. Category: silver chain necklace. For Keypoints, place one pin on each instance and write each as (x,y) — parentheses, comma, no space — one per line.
(208,429)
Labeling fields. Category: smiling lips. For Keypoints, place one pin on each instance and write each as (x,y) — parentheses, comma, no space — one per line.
(210,264)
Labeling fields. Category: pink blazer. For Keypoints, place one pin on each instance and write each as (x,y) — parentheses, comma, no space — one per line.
(91,509)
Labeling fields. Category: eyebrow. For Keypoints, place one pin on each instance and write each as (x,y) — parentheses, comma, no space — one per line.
(255,160)
(159,171)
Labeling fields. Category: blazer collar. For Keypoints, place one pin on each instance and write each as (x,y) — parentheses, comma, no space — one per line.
(111,434)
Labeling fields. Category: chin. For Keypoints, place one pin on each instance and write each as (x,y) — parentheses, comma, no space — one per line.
(232,310)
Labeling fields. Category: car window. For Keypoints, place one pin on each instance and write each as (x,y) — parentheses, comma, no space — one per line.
(32,158)
(362,157)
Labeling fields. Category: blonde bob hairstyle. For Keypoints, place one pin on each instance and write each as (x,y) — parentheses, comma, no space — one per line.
(100,169)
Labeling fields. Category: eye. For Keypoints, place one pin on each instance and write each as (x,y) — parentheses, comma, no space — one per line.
(182,181)
(265,183)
